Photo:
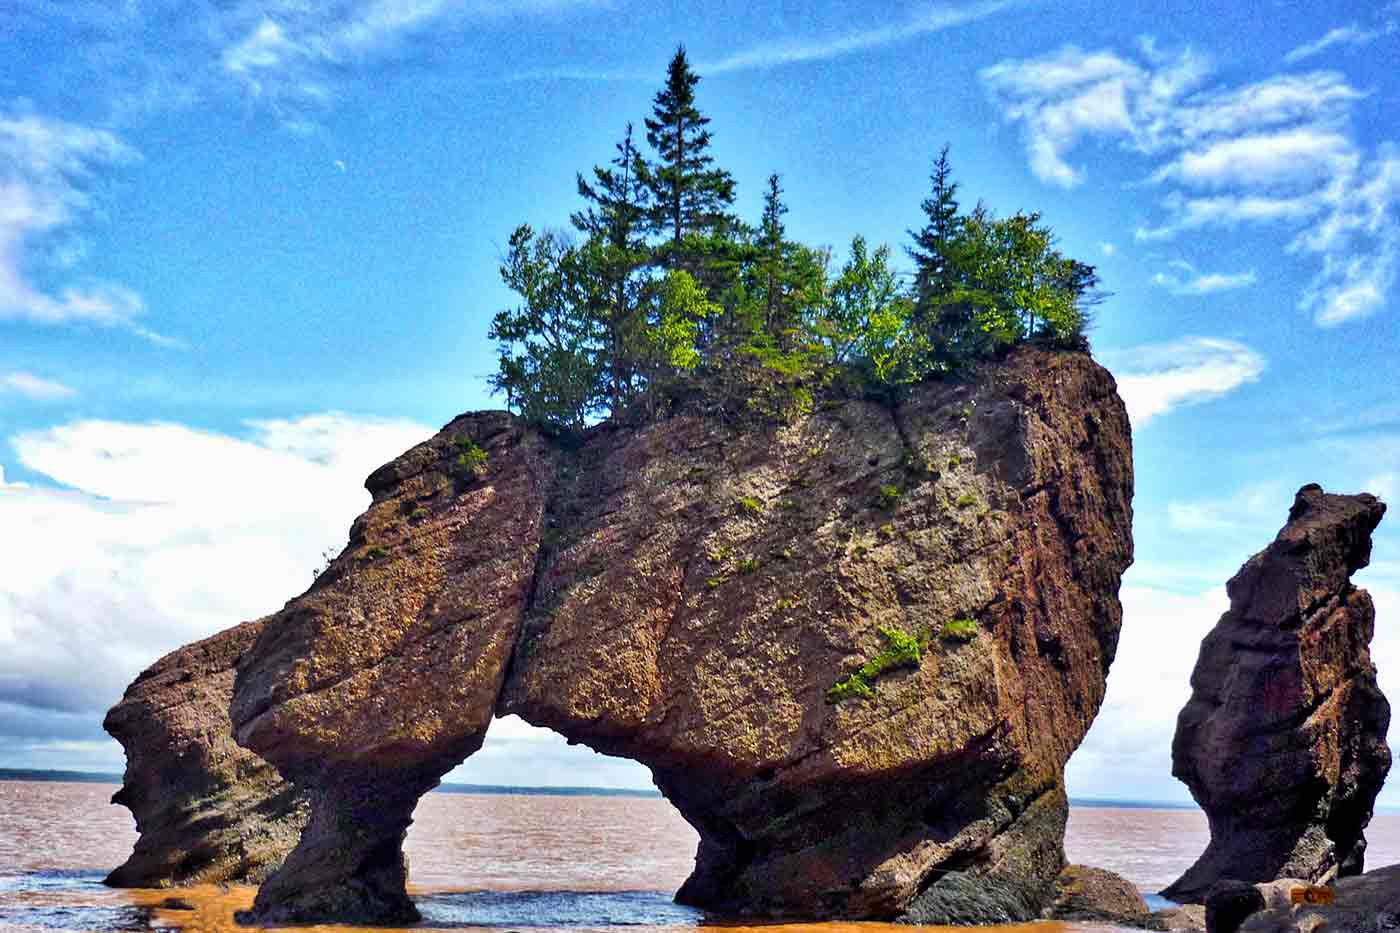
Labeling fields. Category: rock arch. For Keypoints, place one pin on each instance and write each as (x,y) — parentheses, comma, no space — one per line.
(686,594)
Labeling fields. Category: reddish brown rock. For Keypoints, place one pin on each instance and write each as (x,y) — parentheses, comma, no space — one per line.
(686,593)
(1283,740)
(207,810)
(707,585)
(384,675)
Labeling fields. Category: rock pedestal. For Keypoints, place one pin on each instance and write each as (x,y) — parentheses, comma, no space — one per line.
(1283,740)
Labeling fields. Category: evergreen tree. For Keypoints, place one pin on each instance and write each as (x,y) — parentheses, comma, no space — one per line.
(618,199)
(932,244)
(690,196)
(548,344)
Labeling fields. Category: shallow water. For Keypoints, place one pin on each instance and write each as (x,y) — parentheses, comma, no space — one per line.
(497,862)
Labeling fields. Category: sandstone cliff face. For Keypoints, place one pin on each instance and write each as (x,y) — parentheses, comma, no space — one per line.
(208,811)
(1283,740)
(687,594)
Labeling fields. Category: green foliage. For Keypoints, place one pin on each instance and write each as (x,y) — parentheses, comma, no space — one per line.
(748,565)
(959,630)
(889,496)
(669,298)
(965,500)
(375,553)
(689,195)
(470,462)
(902,650)
(749,506)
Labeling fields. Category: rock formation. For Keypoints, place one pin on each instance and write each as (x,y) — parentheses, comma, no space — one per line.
(1366,903)
(687,593)
(207,810)
(1283,740)
(1085,894)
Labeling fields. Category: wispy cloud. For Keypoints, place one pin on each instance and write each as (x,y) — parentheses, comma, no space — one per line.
(1187,281)
(929,19)
(1273,153)
(287,52)
(1342,35)
(1155,378)
(45,167)
(33,387)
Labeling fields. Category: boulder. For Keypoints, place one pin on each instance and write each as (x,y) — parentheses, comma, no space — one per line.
(207,810)
(1283,740)
(1229,903)
(1083,893)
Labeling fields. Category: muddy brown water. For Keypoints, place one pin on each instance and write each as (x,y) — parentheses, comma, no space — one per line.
(501,862)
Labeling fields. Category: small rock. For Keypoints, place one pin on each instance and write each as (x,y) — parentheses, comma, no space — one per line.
(1229,904)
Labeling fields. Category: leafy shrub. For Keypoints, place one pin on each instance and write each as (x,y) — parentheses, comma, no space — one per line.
(470,462)
(888,496)
(376,552)
(959,630)
(749,506)
(903,650)
(748,565)
(965,500)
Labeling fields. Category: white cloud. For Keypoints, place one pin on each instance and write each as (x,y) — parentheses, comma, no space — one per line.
(159,534)
(1155,378)
(1276,152)
(1302,156)
(1342,35)
(1252,510)
(45,165)
(286,52)
(930,19)
(33,387)
(1108,249)
(1130,742)
(1194,283)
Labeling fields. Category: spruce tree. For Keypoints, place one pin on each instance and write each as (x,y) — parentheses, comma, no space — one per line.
(618,199)
(690,195)
(932,244)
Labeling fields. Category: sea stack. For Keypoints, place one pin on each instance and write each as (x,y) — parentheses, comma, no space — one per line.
(855,649)
(1283,740)
(207,810)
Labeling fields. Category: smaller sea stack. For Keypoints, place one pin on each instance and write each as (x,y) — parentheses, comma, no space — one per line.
(208,811)
(1283,740)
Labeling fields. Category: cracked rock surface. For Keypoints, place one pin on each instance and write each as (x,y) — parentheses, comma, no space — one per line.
(1283,740)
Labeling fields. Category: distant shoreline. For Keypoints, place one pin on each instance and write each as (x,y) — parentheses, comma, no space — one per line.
(91,777)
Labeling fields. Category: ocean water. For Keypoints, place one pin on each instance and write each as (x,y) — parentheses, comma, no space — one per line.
(501,862)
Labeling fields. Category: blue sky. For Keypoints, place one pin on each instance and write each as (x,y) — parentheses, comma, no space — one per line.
(248,252)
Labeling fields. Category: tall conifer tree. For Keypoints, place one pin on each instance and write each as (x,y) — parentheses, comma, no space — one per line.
(618,200)
(690,195)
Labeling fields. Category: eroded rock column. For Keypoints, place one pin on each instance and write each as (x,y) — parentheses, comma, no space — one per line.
(207,810)
(384,676)
(1283,740)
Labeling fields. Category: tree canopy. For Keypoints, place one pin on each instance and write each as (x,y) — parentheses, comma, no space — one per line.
(665,293)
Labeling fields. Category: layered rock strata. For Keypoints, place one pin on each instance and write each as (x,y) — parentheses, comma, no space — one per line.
(206,809)
(1283,740)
